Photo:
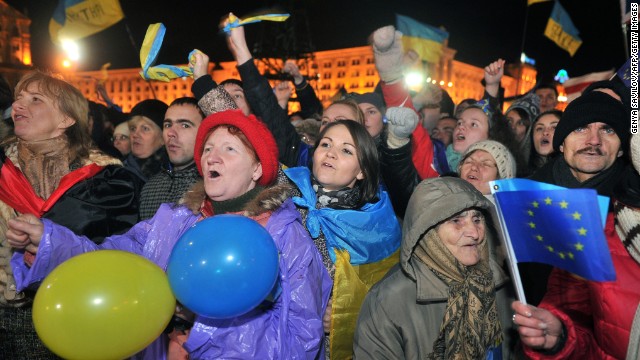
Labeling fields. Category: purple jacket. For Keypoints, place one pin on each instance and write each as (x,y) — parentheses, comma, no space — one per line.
(290,329)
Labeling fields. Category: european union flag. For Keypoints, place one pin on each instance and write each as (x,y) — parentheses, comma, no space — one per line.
(424,39)
(560,30)
(559,227)
(624,73)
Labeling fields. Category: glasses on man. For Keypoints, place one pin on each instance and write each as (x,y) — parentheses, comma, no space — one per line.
(119,138)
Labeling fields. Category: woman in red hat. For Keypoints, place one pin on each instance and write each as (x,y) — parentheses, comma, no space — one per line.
(238,159)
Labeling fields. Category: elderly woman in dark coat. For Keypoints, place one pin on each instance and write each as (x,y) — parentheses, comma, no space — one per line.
(448,298)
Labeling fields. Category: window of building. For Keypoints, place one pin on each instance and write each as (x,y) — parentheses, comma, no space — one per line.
(370,60)
(327,75)
(342,63)
(340,74)
(327,65)
(371,72)
(355,62)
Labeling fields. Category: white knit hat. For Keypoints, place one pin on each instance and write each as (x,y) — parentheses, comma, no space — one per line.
(504,160)
(635,151)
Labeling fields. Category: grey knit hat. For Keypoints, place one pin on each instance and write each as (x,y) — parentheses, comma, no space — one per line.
(504,160)
(530,103)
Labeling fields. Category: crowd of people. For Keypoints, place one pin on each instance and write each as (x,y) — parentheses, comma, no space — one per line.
(379,205)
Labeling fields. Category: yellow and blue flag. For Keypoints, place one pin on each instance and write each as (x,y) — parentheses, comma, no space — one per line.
(234,22)
(560,30)
(531,2)
(149,53)
(556,226)
(424,39)
(76,19)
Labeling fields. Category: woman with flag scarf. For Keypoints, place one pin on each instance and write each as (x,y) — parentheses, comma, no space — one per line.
(50,170)
(351,221)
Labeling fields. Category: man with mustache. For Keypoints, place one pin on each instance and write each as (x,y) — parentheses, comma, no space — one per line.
(179,129)
(590,139)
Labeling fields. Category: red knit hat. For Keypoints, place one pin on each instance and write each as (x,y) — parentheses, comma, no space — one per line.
(256,132)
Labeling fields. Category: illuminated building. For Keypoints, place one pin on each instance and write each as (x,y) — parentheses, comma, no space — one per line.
(330,70)
(15,43)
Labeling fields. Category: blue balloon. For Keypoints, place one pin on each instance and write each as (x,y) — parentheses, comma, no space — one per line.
(223,267)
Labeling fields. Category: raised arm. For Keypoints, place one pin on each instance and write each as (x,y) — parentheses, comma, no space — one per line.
(493,74)
(263,101)
(310,105)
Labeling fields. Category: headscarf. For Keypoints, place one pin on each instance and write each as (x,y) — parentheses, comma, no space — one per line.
(470,325)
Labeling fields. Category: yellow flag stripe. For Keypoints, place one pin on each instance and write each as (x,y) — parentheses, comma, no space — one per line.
(429,50)
(531,2)
(351,284)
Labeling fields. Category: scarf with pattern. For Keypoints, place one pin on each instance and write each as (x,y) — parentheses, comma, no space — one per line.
(44,163)
(346,198)
(470,325)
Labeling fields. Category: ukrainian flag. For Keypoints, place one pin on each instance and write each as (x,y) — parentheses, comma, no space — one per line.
(76,19)
(531,2)
(560,30)
(424,39)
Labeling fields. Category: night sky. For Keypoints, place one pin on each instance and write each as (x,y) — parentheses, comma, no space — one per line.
(480,30)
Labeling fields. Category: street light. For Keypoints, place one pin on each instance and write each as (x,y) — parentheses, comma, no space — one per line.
(72,49)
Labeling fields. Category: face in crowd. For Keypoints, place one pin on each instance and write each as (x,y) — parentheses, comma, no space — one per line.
(518,124)
(337,111)
(591,149)
(237,94)
(543,131)
(478,168)
(335,160)
(372,119)
(473,126)
(443,130)
(230,165)
(121,140)
(548,99)
(146,136)
(37,116)
(179,131)
(463,235)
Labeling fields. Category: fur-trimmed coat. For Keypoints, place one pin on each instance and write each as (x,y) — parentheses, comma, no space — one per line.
(104,204)
(291,328)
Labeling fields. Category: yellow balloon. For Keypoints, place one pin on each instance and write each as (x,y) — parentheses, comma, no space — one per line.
(105,304)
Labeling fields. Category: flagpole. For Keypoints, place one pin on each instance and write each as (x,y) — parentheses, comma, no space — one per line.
(626,46)
(524,37)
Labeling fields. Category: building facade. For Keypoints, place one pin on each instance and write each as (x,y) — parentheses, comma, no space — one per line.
(15,44)
(351,69)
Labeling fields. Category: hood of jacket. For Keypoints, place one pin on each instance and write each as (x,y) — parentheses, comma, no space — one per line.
(433,201)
